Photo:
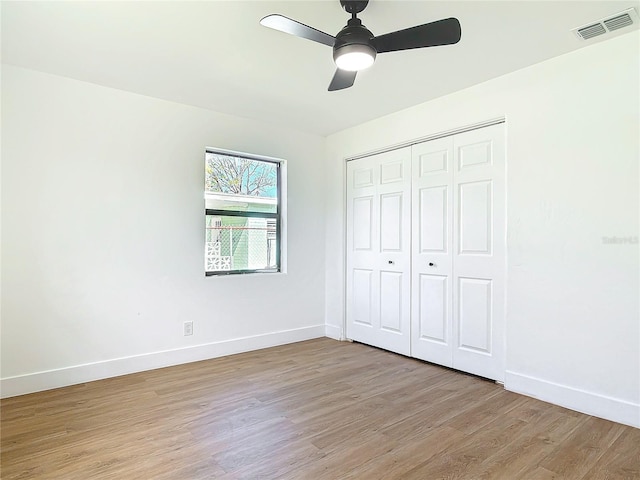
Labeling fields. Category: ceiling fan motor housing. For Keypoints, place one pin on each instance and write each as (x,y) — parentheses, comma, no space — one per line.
(354,37)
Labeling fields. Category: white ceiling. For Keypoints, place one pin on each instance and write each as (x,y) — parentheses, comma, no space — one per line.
(215,54)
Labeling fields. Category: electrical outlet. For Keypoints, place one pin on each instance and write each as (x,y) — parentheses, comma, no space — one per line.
(188,328)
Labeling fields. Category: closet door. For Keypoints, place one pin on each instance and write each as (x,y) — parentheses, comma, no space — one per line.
(479,263)
(378,250)
(432,251)
(458,252)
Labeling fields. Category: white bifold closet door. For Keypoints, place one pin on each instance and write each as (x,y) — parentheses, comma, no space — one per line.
(426,251)
(432,256)
(378,250)
(458,255)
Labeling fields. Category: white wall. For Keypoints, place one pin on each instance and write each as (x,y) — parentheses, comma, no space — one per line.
(573,334)
(103,235)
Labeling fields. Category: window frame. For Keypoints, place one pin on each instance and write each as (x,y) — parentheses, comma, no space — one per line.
(278,215)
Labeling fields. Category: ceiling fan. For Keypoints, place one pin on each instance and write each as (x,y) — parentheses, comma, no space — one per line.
(355,47)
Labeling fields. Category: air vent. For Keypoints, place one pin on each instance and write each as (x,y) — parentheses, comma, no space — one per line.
(607,24)
(591,31)
(620,21)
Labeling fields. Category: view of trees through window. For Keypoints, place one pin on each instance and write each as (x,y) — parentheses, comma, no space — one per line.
(242,214)
(240,176)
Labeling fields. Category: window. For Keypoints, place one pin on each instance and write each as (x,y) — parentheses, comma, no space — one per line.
(242,213)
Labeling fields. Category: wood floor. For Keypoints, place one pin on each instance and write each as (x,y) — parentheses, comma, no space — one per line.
(314,410)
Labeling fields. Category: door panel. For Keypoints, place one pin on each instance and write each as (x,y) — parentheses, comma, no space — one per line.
(431,162)
(433,219)
(474,306)
(378,242)
(391,171)
(391,222)
(363,178)
(431,264)
(391,301)
(475,211)
(474,152)
(433,309)
(479,246)
(362,300)
(362,228)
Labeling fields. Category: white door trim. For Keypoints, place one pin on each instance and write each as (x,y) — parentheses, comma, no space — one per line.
(428,138)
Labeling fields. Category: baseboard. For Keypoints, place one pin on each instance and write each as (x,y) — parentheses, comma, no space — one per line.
(616,410)
(36,382)
(333,331)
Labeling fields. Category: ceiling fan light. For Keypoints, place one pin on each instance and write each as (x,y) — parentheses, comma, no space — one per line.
(354,57)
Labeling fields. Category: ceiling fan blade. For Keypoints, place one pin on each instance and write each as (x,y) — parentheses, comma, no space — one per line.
(286,25)
(442,32)
(342,79)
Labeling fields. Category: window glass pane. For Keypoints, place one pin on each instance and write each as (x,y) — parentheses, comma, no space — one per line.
(240,184)
(240,243)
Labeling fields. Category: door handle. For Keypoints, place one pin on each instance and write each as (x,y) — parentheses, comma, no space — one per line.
(431,264)
(390,262)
